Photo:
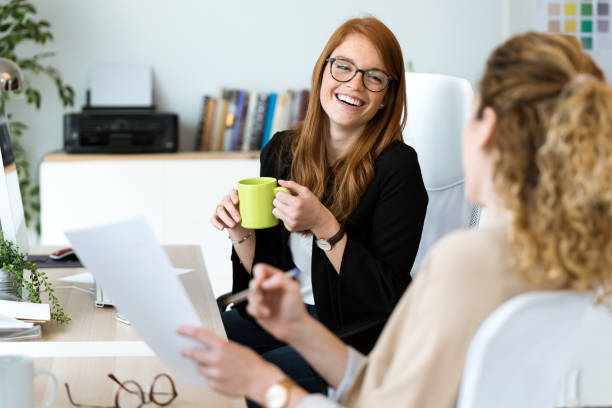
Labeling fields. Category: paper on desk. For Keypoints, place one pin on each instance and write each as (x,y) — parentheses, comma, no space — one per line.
(87,277)
(25,310)
(126,260)
(7,323)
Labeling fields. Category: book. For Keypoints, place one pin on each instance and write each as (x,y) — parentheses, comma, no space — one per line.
(200,129)
(245,110)
(259,121)
(303,104)
(295,108)
(209,123)
(230,120)
(269,118)
(220,121)
(38,312)
(248,123)
(239,121)
(9,324)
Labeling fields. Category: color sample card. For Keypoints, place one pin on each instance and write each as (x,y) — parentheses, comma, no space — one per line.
(587,20)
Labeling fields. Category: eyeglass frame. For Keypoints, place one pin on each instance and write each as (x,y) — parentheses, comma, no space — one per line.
(331,61)
(122,386)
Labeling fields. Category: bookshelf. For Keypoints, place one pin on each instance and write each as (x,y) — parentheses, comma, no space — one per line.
(176,192)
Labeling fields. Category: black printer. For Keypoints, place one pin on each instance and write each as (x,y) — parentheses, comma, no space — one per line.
(120,131)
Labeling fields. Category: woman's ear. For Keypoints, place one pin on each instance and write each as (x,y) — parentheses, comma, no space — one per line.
(486,126)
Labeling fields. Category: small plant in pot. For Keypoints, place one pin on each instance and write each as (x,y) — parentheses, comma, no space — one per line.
(27,281)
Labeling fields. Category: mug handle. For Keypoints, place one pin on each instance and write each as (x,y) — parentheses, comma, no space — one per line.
(48,403)
(285,189)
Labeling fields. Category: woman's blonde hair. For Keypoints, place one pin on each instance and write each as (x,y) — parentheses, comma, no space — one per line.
(554,169)
(353,173)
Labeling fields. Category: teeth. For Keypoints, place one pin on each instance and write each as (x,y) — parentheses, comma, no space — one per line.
(350,100)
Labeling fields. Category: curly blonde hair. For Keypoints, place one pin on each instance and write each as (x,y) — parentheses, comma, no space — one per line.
(554,168)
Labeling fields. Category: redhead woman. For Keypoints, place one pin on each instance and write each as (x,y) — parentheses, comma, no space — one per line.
(353,222)
(537,155)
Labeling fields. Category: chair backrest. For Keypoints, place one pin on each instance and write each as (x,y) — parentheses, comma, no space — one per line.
(519,353)
(588,378)
(438,108)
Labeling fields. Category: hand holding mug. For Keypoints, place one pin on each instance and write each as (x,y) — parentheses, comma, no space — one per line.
(227,215)
(301,211)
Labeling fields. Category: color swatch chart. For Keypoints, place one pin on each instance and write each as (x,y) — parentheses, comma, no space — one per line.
(588,20)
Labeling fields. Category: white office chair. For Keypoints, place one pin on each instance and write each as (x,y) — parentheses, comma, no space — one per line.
(438,108)
(587,379)
(519,353)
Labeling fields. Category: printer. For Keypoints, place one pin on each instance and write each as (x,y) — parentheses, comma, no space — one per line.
(119,115)
(120,131)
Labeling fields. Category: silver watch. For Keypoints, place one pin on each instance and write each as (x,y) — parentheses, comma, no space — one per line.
(327,244)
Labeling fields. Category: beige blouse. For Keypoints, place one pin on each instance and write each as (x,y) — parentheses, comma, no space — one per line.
(418,360)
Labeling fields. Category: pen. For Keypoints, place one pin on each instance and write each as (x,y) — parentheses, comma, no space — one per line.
(243,294)
(122,319)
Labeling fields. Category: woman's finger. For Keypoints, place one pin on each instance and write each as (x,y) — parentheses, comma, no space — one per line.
(214,220)
(293,186)
(201,335)
(284,206)
(285,198)
(231,208)
(234,196)
(200,356)
(225,217)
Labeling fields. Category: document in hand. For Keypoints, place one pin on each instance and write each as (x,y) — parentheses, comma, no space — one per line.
(127,261)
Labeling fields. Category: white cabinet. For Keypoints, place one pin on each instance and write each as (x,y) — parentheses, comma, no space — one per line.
(176,193)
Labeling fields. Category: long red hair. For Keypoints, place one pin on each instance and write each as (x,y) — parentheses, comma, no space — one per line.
(352,173)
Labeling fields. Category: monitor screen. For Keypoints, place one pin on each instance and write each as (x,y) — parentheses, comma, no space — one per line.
(12,219)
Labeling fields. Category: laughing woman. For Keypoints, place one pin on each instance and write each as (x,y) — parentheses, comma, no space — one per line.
(353,222)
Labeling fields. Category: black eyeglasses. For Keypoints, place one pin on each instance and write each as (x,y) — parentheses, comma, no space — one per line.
(343,70)
(130,394)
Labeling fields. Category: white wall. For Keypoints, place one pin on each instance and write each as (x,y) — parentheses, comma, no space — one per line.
(198,46)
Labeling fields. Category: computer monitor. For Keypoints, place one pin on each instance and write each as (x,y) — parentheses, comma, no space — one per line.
(12,219)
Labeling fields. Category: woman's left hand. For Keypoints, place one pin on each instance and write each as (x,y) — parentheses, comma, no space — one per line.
(299,212)
(230,368)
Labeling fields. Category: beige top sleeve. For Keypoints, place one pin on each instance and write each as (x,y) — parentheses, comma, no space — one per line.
(418,360)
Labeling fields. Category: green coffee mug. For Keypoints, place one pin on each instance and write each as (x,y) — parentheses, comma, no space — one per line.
(255,197)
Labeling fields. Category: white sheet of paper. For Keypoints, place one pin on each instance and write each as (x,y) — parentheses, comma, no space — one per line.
(25,310)
(7,323)
(131,266)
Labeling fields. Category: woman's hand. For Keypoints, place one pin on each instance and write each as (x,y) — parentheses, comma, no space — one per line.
(299,212)
(230,368)
(276,302)
(227,216)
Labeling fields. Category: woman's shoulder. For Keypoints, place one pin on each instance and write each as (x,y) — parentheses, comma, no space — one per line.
(397,155)
(474,252)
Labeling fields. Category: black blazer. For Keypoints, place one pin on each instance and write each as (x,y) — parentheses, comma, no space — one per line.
(383,235)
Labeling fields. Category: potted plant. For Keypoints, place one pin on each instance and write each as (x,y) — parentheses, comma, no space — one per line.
(18,25)
(25,276)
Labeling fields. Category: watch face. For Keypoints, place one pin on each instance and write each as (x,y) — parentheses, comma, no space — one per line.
(323,244)
(276,396)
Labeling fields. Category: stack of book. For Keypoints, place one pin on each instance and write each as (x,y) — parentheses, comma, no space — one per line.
(17,319)
(239,120)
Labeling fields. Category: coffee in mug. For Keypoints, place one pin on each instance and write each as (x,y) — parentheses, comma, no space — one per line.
(17,382)
(256,195)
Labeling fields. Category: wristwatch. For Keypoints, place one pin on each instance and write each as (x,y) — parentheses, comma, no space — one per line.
(327,244)
(277,396)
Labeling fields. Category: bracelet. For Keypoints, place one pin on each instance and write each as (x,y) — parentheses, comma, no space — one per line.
(241,240)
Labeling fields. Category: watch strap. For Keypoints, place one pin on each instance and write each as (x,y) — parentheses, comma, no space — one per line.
(336,237)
